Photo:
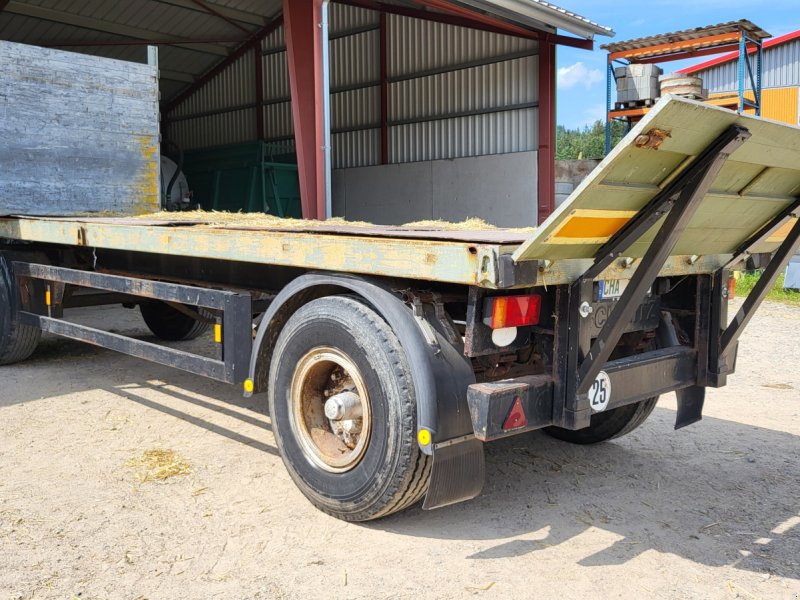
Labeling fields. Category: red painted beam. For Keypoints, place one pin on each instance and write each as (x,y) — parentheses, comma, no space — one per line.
(304,50)
(690,54)
(473,20)
(253,42)
(547,131)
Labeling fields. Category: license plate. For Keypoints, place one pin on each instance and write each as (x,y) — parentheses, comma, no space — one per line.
(612,288)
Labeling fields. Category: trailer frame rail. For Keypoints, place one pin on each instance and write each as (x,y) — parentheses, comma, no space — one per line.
(233,319)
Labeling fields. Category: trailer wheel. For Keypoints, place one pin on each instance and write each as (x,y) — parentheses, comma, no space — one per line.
(17,341)
(170,324)
(343,411)
(607,425)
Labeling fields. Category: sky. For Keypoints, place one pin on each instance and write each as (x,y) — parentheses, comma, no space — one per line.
(581,74)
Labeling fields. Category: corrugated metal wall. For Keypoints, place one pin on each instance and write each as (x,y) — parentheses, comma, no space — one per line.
(781,69)
(450,97)
(780,104)
(221,112)
(453,92)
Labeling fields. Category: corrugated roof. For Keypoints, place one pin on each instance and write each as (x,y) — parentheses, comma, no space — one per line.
(537,13)
(196,35)
(735,55)
(209,30)
(753,31)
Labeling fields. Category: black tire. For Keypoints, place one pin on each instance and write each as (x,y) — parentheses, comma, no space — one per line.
(607,425)
(17,341)
(170,324)
(392,473)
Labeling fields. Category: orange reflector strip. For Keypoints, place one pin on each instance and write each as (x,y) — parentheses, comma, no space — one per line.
(591,227)
(47,298)
(783,232)
(218,333)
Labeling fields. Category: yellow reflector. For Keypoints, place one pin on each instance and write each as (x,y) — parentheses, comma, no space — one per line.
(249,386)
(424,437)
(218,333)
(782,233)
(589,226)
(47,297)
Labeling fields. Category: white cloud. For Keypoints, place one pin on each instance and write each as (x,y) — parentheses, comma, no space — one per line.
(595,113)
(578,74)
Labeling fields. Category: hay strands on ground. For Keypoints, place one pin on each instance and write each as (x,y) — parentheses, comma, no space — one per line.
(158,465)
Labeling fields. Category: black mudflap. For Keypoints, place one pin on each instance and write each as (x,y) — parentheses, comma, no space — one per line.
(458,473)
(690,405)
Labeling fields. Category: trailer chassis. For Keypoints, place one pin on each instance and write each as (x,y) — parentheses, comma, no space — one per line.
(455,411)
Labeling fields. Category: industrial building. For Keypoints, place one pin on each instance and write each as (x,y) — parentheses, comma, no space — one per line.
(780,77)
(393,111)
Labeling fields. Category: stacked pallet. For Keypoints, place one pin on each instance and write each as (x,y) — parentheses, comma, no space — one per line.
(637,85)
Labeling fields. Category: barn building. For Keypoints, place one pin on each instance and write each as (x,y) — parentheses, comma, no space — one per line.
(389,111)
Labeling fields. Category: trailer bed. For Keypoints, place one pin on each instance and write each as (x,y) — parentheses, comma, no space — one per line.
(755,195)
(470,257)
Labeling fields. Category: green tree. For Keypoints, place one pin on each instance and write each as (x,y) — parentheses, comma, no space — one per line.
(588,142)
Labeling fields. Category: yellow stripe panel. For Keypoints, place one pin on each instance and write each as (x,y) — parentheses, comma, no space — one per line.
(589,226)
(783,232)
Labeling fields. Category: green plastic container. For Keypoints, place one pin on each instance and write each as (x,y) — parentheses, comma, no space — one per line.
(250,177)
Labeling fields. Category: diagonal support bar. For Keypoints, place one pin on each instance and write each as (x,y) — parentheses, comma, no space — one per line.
(660,205)
(700,176)
(779,261)
(778,221)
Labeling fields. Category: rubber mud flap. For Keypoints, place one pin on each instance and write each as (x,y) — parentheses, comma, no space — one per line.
(690,405)
(458,473)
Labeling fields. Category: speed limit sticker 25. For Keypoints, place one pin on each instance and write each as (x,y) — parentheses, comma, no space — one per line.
(600,392)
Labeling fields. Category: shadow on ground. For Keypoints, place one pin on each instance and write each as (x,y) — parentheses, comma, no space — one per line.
(717,493)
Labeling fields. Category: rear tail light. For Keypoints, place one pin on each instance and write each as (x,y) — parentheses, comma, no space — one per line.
(501,312)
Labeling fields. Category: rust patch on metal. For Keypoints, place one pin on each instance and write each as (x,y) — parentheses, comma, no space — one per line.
(652,139)
(81,241)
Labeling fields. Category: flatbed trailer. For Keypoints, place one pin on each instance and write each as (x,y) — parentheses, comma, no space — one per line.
(389,355)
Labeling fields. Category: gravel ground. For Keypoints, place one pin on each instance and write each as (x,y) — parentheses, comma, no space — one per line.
(711,511)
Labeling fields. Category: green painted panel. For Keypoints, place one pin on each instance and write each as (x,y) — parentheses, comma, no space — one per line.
(249,177)
(759,180)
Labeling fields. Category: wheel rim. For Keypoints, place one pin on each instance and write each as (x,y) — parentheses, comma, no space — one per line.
(335,445)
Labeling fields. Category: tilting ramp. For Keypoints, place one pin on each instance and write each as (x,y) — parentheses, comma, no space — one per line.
(758,182)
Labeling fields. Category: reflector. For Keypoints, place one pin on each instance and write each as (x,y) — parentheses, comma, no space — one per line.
(516,418)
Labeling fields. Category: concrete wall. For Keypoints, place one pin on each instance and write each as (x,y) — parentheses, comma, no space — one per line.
(501,189)
(569,173)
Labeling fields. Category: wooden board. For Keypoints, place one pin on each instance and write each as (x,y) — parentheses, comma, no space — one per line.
(78,133)
(759,180)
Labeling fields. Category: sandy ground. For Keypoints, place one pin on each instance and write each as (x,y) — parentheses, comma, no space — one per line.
(711,511)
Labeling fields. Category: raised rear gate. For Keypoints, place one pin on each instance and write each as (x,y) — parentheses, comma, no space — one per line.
(690,183)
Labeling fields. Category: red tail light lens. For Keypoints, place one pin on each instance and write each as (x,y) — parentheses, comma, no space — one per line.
(512,311)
